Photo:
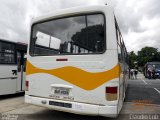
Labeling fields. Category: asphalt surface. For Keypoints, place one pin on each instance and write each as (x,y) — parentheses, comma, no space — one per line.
(142,97)
(143,90)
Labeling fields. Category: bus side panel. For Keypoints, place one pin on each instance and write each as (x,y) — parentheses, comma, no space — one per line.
(8,81)
(121,86)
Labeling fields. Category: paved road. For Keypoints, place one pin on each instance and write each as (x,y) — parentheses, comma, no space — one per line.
(143,90)
(141,98)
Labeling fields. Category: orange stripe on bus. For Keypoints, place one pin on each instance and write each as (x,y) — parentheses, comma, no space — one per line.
(78,77)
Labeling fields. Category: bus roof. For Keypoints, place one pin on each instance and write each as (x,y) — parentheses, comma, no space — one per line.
(8,41)
(19,45)
(72,11)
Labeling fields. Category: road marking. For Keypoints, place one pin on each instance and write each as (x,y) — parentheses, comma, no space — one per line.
(157,90)
(144,81)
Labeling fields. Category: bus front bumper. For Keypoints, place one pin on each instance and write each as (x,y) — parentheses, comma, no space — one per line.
(73,107)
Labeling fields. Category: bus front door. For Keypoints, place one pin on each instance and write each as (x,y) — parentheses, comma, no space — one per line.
(20,71)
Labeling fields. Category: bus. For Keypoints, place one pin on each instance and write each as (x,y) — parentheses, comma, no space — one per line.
(153,67)
(77,62)
(12,67)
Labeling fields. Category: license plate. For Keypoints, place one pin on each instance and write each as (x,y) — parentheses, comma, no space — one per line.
(60,104)
(61,91)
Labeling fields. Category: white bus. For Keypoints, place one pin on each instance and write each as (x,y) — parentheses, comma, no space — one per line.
(12,67)
(77,62)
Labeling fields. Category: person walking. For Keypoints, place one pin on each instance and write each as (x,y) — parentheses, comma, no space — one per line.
(132,74)
(149,73)
(153,74)
(135,73)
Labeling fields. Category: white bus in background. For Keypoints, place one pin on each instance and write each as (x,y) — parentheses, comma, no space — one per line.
(12,67)
(77,62)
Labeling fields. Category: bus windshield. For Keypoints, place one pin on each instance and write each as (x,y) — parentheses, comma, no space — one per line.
(83,34)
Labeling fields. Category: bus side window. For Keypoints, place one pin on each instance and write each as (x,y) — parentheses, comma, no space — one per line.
(120,53)
(120,56)
(119,43)
(7,53)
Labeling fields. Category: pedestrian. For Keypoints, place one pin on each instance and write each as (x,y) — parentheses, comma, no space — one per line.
(153,74)
(135,73)
(149,73)
(132,74)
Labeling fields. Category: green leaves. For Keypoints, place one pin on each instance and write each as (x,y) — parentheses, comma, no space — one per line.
(146,54)
(132,59)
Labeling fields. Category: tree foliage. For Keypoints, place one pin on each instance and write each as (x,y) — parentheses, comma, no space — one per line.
(146,54)
(132,59)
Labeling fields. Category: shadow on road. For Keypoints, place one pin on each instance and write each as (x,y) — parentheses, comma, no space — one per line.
(3,97)
(57,115)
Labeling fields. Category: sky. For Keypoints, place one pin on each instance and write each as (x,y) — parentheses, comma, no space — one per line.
(139,20)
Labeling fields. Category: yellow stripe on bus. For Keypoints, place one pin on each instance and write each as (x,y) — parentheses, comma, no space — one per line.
(78,77)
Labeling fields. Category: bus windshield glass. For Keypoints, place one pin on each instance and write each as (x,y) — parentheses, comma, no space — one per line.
(83,34)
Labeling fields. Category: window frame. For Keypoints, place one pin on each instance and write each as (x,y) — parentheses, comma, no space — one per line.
(69,16)
(120,43)
(14,54)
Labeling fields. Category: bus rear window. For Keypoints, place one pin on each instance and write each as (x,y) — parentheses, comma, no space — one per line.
(72,35)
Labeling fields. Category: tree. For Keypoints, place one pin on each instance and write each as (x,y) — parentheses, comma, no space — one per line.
(132,59)
(147,54)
